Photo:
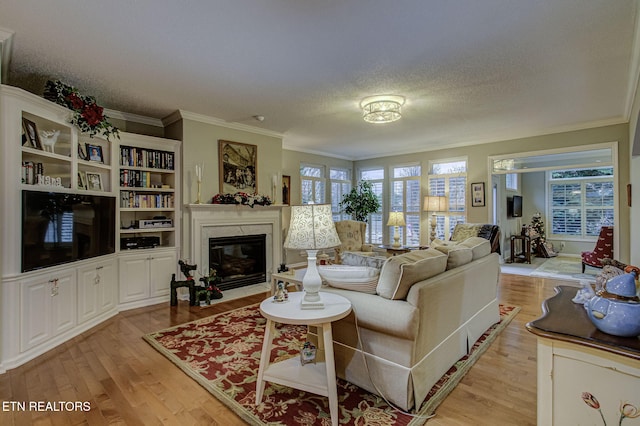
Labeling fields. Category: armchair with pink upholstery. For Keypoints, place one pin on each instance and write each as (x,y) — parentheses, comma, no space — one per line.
(603,249)
(352,236)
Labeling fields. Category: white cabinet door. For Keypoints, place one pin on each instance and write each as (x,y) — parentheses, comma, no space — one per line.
(35,312)
(47,307)
(134,277)
(96,289)
(162,266)
(63,303)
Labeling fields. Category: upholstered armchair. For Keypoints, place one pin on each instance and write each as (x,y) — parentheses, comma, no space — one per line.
(352,236)
(603,249)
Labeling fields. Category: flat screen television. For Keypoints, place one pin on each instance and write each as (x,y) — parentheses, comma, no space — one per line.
(514,206)
(58,228)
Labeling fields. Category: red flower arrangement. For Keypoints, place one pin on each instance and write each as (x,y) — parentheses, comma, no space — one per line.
(88,116)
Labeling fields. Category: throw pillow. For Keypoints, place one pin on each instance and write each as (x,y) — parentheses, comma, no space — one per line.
(479,246)
(462,231)
(357,259)
(399,273)
(456,255)
(354,278)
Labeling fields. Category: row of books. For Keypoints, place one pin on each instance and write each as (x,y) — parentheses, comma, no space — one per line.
(142,157)
(131,199)
(138,179)
(30,171)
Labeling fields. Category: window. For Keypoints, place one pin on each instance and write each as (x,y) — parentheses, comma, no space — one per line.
(405,197)
(511,181)
(449,178)
(375,227)
(340,184)
(312,184)
(580,201)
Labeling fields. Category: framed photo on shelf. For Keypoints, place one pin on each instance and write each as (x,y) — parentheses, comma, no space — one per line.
(82,155)
(31,132)
(238,166)
(477,194)
(94,181)
(286,189)
(94,153)
(82,180)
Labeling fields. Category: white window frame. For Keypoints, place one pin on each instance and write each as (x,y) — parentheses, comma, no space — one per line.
(583,181)
(316,182)
(408,215)
(375,234)
(336,196)
(445,220)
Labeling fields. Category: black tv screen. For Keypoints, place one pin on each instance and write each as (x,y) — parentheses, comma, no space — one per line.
(517,206)
(59,228)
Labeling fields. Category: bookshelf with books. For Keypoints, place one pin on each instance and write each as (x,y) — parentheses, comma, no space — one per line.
(148,185)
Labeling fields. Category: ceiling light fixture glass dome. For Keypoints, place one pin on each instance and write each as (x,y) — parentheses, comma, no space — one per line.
(382,108)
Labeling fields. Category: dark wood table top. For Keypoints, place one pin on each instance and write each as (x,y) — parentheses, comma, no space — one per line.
(567,321)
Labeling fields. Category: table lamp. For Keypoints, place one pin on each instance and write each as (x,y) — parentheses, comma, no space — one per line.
(433,204)
(396,219)
(311,229)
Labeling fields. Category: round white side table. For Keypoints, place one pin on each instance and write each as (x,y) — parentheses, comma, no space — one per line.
(319,377)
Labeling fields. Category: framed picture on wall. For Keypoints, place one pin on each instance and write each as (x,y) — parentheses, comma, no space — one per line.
(477,194)
(286,189)
(238,167)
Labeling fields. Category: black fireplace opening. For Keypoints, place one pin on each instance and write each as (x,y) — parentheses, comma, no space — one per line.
(239,260)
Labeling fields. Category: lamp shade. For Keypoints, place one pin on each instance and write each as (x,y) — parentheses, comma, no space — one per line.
(311,228)
(435,203)
(396,219)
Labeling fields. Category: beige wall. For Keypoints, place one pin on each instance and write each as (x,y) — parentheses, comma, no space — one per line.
(477,156)
(200,144)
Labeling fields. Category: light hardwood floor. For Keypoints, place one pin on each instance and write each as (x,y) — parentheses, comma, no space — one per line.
(128,382)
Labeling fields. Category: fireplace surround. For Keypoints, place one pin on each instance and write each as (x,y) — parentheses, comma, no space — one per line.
(208,221)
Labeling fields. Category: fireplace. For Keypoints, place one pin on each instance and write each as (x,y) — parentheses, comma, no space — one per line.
(238,260)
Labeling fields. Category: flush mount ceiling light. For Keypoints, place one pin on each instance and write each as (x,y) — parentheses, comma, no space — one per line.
(382,108)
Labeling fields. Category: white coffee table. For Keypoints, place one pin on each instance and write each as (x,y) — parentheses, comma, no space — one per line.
(318,378)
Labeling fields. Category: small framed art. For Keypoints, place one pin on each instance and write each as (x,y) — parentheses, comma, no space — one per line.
(31,132)
(94,181)
(82,180)
(286,189)
(94,153)
(477,194)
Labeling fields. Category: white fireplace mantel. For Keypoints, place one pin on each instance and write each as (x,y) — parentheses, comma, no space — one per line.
(223,220)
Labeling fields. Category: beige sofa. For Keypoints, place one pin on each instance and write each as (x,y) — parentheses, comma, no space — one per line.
(412,333)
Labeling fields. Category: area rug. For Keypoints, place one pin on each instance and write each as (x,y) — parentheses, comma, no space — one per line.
(222,353)
(565,268)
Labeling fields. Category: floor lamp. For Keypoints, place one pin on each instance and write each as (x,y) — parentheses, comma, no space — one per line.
(396,219)
(434,204)
(311,229)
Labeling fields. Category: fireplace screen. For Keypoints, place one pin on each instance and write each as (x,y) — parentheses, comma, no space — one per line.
(239,260)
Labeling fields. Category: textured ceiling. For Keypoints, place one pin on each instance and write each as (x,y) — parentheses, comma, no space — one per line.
(471,71)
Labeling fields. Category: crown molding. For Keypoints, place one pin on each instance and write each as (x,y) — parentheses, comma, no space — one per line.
(6,45)
(186,115)
(133,118)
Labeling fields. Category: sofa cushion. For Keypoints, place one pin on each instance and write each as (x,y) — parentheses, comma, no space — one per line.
(457,255)
(362,259)
(399,273)
(356,278)
(478,245)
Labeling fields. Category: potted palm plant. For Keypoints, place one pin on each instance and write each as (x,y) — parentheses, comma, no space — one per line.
(360,202)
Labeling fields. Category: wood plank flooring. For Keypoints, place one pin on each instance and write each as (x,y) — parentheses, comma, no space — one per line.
(129,383)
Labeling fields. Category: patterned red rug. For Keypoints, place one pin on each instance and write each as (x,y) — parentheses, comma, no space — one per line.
(222,353)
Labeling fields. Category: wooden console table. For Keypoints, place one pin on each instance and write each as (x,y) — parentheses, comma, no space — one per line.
(576,360)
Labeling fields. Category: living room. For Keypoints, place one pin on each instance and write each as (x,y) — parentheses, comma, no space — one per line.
(278,156)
